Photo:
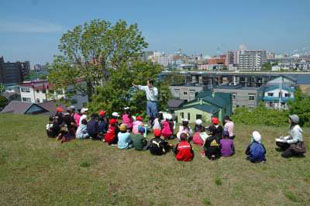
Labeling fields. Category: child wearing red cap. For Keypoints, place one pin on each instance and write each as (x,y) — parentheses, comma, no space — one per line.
(216,128)
(157,145)
(183,150)
(59,115)
(102,123)
(136,124)
(111,135)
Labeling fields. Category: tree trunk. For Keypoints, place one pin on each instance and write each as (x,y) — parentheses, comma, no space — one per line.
(89,90)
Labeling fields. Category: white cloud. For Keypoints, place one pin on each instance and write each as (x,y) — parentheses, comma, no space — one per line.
(29,26)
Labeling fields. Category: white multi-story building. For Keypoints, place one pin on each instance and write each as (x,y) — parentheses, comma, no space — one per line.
(41,91)
(250,60)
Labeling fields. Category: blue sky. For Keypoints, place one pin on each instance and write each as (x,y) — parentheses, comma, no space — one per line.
(31,29)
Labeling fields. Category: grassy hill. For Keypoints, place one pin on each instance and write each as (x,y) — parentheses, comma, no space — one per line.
(36,170)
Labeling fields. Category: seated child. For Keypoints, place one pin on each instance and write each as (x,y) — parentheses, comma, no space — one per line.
(218,128)
(102,123)
(212,145)
(166,127)
(111,136)
(52,127)
(139,141)
(157,121)
(227,145)
(127,119)
(81,132)
(184,128)
(157,145)
(183,150)
(93,128)
(256,151)
(124,139)
(136,124)
(197,139)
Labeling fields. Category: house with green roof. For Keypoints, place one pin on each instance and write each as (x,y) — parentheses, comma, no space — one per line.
(206,105)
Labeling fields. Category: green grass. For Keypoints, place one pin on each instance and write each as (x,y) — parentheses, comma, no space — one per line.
(36,170)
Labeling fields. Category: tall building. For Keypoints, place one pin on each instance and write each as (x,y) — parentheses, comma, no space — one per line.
(13,72)
(250,60)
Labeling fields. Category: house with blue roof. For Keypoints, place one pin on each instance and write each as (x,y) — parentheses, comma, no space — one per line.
(206,105)
(277,96)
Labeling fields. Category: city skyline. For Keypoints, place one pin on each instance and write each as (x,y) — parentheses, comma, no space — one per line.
(30,30)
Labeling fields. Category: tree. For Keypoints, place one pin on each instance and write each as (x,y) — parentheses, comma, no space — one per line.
(2,88)
(301,107)
(3,102)
(89,51)
(175,78)
(267,67)
(118,92)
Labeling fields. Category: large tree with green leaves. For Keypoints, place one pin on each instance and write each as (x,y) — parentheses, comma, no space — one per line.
(301,106)
(2,88)
(118,92)
(88,51)
(3,102)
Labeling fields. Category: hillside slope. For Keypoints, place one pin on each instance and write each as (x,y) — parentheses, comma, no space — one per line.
(36,170)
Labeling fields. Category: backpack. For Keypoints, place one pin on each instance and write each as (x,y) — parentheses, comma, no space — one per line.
(157,147)
(257,152)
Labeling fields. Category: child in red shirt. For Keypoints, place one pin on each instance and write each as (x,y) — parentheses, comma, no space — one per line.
(183,150)
(111,135)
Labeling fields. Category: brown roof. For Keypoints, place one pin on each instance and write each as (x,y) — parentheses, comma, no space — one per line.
(9,94)
(16,107)
(51,106)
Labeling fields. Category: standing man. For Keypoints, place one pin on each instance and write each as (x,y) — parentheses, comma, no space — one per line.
(152,98)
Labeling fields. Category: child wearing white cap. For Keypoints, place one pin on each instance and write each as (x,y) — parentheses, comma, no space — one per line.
(84,115)
(197,139)
(184,128)
(256,151)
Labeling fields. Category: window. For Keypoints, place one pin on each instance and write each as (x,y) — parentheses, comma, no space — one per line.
(251,97)
(177,92)
(24,99)
(234,96)
(38,100)
(182,115)
(185,93)
(287,95)
(25,89)
(189,116)
(198,116)
(43,91)
(270,94)
(37,91)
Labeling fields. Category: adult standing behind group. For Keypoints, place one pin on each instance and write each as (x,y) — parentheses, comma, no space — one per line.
(151,93)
